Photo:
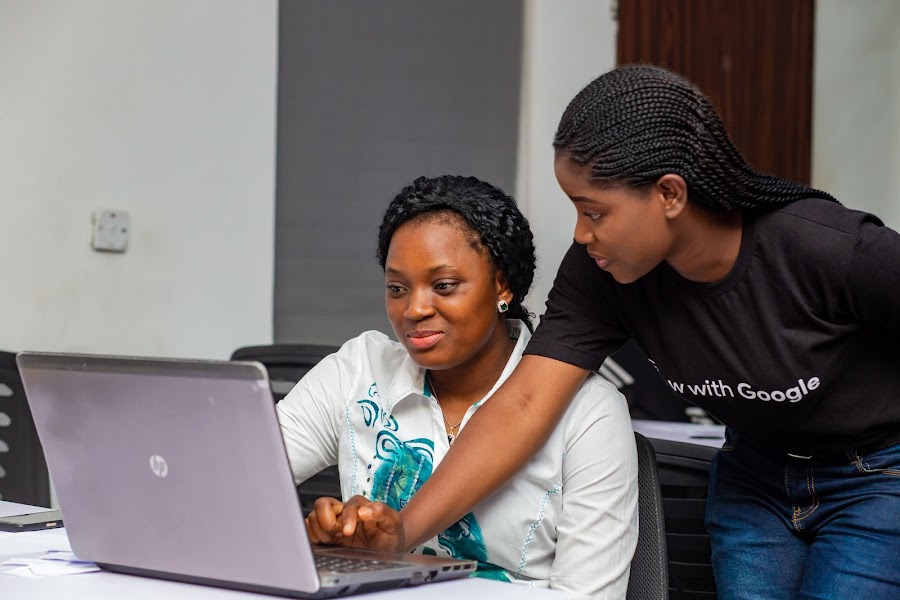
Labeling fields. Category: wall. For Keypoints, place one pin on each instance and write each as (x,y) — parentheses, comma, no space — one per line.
(856,105)
(360,119)
(165,109)
(566,45)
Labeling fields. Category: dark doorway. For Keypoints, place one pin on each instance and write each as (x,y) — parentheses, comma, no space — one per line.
(753,58)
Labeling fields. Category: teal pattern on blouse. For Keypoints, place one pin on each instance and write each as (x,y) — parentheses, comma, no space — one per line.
(398,470)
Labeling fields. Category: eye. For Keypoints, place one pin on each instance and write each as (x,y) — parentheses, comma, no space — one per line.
(592,216)
(394,289)
(446,287)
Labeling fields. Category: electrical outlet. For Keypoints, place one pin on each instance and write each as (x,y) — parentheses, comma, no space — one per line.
(110,230)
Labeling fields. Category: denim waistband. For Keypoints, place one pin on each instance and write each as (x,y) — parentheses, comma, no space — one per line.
(879,444)
(837,455)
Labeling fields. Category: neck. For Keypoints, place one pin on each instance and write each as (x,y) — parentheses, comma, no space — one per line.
(457,388)
(707,244)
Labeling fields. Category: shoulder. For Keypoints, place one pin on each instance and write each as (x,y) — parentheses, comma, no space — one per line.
(370,353)
(372,345)
(598,400)
(814,221)
(823,237)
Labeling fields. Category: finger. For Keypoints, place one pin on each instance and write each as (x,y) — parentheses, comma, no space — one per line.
(326,511)
(349,515)
(316,534)
(323,535)
(383,516)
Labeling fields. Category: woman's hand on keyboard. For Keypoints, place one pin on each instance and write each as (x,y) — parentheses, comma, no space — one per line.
(358,523)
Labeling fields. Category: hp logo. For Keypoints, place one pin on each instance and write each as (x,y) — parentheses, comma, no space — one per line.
(158,465)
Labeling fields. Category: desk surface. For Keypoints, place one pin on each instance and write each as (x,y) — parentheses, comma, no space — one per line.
(103,585)
(689,433)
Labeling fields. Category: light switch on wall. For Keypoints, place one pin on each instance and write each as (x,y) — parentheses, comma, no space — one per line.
(110,230)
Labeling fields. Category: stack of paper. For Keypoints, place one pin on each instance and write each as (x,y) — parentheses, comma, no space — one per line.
(52,564)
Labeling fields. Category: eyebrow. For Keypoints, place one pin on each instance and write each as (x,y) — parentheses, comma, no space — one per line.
(584,200)
(394,271)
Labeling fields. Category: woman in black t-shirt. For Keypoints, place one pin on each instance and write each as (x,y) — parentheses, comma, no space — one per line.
(762,300)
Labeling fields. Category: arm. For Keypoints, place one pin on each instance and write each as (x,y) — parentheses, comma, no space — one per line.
(510,428)
(310,415)
(597,529)
(873,285)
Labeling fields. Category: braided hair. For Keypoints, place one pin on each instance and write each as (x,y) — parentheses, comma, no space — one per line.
(494,223)
(638,122)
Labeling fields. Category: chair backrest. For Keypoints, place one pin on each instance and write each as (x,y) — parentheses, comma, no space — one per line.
(684,476)
(286,364)
(649,579)
(23,472)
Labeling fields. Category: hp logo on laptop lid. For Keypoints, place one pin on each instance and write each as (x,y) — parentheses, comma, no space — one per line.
(158,465)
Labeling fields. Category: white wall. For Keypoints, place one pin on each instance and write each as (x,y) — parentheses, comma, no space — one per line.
(165,109)
(567,43)
(856,107)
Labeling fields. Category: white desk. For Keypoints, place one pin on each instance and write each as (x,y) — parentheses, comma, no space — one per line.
(689,433)
(104,585)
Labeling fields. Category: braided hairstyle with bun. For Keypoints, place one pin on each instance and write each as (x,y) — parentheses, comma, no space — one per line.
(490,218)
(639,122)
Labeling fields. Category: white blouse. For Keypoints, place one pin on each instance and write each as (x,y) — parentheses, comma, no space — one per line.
(567,520)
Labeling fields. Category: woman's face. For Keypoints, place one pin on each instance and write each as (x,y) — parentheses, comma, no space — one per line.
(441,295)
(627,232)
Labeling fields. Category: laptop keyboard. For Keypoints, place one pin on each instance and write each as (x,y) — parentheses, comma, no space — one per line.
(335,564)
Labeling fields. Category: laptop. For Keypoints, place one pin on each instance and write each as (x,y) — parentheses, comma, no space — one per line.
(176,469)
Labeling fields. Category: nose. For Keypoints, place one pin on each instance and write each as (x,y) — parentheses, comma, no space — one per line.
(419,305)
(583,233)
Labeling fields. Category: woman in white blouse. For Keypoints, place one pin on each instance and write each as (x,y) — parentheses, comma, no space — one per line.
(458,260)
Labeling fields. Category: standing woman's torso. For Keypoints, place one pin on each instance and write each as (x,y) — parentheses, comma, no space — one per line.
(797,348)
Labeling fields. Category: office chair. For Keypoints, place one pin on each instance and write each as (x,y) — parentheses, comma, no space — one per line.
(684,479)
(23,472)
(286,364)
(649,567)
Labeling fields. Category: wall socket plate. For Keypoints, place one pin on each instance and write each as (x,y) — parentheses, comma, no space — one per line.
(111,229)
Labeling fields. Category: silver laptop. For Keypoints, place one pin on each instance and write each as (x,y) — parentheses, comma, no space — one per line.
(177,469)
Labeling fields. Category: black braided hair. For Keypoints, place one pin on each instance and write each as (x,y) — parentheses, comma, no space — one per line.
(638,122)
(494,222)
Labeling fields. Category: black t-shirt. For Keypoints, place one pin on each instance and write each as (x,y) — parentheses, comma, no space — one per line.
(797,348)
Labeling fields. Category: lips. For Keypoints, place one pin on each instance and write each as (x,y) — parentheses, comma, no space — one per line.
(422,340)
(601,261)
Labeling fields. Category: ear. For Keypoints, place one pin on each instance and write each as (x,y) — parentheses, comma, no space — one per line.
(503,291)
(672,192)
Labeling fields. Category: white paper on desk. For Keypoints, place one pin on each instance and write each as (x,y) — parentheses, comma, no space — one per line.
(28,542)
(690,433)
(52,564)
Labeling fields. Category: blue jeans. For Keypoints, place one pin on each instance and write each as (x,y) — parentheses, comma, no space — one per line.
(790,528)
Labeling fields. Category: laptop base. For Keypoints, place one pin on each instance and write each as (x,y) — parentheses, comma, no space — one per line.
(346,590)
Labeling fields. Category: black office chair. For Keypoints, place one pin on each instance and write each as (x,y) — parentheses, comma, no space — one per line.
(23,472)
(286,364)
(649,567)
(684,479)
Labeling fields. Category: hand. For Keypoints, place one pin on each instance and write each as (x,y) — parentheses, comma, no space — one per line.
(357,523)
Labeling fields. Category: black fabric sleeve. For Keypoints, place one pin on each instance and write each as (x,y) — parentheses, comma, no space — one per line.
(873,280)
(580,325)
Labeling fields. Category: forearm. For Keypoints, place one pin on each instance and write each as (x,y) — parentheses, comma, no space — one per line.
(511,426)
